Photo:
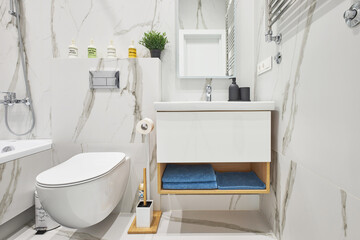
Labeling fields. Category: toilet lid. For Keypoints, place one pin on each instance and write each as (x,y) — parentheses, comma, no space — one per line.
(80,168)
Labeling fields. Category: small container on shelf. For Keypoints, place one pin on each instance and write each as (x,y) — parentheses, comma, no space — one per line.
(244,94)
(92,50)
(234,91)
(132,50)
(111,50)
(73,50)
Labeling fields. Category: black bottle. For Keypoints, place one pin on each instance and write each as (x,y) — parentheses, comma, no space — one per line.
(234,91)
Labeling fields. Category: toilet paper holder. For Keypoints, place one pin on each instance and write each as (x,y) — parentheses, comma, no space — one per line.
(144,126)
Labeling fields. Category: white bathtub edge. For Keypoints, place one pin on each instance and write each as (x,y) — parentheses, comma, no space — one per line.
(44,145)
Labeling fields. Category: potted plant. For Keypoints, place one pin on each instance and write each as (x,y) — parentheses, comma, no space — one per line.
(155,42)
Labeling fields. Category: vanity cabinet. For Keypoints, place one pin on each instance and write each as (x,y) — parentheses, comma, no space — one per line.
(232,138)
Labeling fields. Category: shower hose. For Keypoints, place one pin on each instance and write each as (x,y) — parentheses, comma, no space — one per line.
(27,85)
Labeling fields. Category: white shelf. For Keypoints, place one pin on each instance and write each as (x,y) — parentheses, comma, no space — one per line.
(214,106)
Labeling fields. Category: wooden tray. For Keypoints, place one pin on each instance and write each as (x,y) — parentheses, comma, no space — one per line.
(151,230)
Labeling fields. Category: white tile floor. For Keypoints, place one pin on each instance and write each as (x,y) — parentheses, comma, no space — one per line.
(187,225)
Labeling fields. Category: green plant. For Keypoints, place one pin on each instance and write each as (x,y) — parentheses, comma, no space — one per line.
(154,40)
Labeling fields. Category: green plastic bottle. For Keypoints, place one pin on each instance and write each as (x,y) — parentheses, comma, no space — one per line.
(91,50)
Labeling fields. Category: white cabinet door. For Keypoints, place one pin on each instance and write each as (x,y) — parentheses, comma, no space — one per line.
(214,136)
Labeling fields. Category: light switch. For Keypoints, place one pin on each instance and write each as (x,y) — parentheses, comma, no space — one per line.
(264,66)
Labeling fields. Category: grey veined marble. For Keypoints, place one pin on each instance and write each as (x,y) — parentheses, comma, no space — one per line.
(287,195)
(135,88)
(200,16)
(343,211)
(10,185)
(71,235)
(294,105)
(87,108)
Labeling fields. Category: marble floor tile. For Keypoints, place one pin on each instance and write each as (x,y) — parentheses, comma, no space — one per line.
(204,236)
(200,225)
(213,222)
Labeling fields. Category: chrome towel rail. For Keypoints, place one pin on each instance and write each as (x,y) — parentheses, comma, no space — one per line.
(273,11)
(230,37)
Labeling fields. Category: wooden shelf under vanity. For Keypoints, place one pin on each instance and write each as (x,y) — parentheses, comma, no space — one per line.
(261,169)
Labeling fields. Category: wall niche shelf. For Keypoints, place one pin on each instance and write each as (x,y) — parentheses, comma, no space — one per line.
(202,53)
(261,169)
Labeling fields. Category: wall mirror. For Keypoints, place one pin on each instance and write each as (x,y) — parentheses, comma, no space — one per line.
(205,38)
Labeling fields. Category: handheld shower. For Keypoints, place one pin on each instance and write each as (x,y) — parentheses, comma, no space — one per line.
(10,99)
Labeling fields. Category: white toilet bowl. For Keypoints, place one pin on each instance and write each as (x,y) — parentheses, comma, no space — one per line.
(85,189)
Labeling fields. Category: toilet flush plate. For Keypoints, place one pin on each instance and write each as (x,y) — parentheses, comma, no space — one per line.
(104,79)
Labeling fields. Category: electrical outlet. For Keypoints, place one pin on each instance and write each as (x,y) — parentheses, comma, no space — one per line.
(264,66)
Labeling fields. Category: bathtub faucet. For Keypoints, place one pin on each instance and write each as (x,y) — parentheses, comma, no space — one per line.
(10,99)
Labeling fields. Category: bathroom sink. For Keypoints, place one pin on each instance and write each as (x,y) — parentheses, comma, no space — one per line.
(214,106)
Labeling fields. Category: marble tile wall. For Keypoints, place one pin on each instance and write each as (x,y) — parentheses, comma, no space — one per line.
(77,118)
(17,183)
(209,14)
(48,28)
(315,192)
(86,120)
(37,47)
(104,120)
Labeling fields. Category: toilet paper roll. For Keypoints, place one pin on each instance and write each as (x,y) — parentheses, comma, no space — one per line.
(145,126)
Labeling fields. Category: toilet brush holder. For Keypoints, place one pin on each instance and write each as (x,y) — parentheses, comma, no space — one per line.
(144,214)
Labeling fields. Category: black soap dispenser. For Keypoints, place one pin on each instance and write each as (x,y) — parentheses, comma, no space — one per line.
(233,91)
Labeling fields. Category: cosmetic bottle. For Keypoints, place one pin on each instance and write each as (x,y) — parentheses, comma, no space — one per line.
(73,50)
(111,50)
(234,91)
(91,50)
(132,50)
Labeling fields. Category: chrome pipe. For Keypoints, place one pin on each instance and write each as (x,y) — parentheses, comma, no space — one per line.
(11,6)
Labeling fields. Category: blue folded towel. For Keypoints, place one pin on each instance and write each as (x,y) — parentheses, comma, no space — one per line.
(187,173)
(187,185)
(239,180)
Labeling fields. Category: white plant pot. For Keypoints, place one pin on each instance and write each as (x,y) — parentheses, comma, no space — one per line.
(144,215)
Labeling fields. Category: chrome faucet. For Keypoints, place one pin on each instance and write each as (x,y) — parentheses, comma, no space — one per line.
(10,99)
(208,93)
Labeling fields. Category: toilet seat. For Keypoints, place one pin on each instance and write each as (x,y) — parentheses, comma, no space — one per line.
(80,169)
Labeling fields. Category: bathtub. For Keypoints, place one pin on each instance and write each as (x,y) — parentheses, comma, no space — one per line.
(22,148)
(18,170)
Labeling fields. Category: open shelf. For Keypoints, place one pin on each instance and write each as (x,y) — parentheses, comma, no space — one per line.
(261,169)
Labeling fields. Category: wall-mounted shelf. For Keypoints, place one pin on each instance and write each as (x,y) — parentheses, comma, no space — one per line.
(231,136)
(261,169)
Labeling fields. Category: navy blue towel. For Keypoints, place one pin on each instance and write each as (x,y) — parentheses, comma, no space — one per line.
(239,180)
(187,185)
(188,173)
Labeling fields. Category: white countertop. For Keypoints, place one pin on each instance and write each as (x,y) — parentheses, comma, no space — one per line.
(214,106)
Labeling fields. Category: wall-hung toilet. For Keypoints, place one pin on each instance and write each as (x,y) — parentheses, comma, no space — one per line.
(85,189)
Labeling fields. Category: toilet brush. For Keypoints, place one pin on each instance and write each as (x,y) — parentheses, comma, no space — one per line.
(145,188)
